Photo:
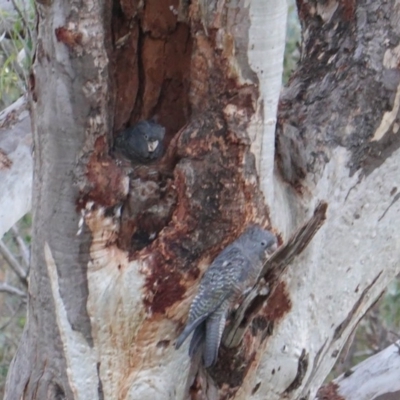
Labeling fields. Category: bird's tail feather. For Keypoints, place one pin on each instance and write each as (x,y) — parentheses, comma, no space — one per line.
(197,339)
(188,330)
(215,325)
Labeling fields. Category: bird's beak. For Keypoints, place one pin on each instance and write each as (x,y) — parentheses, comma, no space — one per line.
(271,249)
(152,145)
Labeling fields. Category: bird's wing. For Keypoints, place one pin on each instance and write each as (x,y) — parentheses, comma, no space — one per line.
(192,325)
(222,279)
(218,284)
(188,330)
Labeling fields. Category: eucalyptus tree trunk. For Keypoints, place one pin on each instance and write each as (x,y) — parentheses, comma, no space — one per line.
(117,255)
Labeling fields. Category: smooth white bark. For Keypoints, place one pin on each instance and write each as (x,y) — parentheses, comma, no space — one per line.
(266,50)
(376,376)
(353,247)
(80,356)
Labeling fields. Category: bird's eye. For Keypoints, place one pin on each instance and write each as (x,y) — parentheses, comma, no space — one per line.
(146,137)
(263,243)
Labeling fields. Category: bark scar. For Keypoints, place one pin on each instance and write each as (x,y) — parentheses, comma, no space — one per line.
(5,162)
(329,391)
(395,198)
(340,329)
(69,37)
(301,372)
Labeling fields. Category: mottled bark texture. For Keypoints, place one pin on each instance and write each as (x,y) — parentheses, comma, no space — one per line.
(337,139)
(118,251)
(70,111)
(344,92)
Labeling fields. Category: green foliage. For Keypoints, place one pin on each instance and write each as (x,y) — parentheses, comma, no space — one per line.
(293,37)
(21,321)
(24,225)
(390,309)
(10,88)
(12,308)
(16,49)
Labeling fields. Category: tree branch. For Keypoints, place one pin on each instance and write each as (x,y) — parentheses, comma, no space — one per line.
(374,378)
(16,166)
(13,263)
(5,287)
(23,17)
(23,248)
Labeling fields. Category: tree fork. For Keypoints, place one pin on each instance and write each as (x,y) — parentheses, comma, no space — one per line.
(103,317)
(95,307)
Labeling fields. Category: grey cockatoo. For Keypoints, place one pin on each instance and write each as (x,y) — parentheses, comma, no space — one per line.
(233,271)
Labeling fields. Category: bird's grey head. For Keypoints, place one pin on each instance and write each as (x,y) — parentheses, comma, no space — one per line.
(152,132)
(258,241)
